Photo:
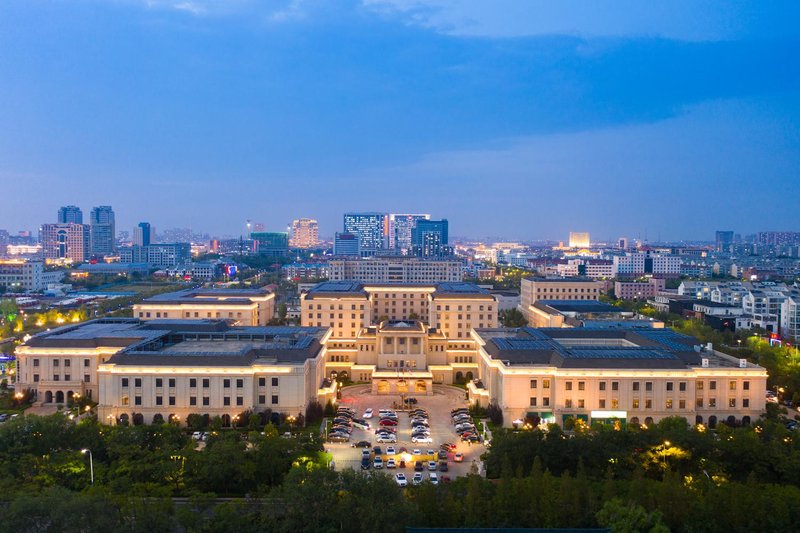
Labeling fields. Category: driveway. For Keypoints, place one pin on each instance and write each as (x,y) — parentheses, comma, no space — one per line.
(438,405)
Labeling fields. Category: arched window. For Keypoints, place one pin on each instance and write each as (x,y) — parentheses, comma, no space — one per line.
(123,419)
(698,419)
(648,421)
(60,397)
(48,397)
(469,376)
(635,420)
(226,421)
(138,419)
(712,421)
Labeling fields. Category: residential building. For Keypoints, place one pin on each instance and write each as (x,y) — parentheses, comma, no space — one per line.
(101,221)
(70,214)
(635,264)
(19,275)
(306,271)
(723,241)
(613,376)
(429,238)
(396,269)
(245,307)
(372,229)
(790,316)
(346,244)
(400,228)
(638,290)
(305,233)
(271,243)
(163,255)
(66,242)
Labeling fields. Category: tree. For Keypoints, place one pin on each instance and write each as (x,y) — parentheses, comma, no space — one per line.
(512,318)
(330,410)
(314,412)
(495,414)
(628,517)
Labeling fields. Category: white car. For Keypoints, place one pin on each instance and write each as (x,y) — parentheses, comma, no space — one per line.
(386,438)
(390,450)
(416,452)
(367,413)
(434,478)
(400,479)
(417,479)
(378,462)
(390,463)
(422,438)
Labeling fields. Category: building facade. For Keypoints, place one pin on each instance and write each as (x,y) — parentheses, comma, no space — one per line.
(70,214)
(66,242)
(372,229)
(244,307)
(305,233)
(346,244)
(638,290)
(429,238)
(396,269)
(18,275)
(613,376)
(163,255)
(400,227)
(556,288)
(271,243)
(103,233)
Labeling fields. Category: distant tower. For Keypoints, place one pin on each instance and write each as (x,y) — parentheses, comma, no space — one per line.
(101,220)
(579,239)
(70,214)
(143,234)
(622,243)
(304,233)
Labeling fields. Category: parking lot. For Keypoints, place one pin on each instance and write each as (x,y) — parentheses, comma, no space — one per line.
(438,406)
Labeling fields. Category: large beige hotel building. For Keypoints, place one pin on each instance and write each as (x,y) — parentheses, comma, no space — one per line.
(401,338)
(245,307)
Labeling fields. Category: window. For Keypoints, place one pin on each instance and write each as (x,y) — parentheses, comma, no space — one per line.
(239,383)
(124,382)
(568,385)
(581,404)
(87,378)
(635,403)
(745,385)
(712,402)
(732,385)
(137,382)
(159,400)
(172,400)
(746,403)
(192,400)
(56,378)
(581,385)
(681,404)
(55,362)
(66,362)
(699,385)
(648,386)
(159,382)
(602,404)
(602,385)
(205,400)
(36,378)
(206,382)
(648,404)
(239,400)
(636,385)
(614,403)
(35,362)
(669,403)
(669,386)
(533,401)
(699,402)
(568,403)
(712,385)
(274,382)
(545,383)
(137,400)
(67,377)
(262,399)
(124,400)
(732,402)
(226,400)
(682,386)
(262,382)
(615,385)
(171,382)
(533,383)
(226,383)
(86,362)
(193,382)
(546,402)
(274,399)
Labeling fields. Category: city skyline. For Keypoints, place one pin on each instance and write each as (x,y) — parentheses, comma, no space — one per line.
(194,114)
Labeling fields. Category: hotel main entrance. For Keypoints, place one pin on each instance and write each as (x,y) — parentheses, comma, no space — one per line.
(417,383)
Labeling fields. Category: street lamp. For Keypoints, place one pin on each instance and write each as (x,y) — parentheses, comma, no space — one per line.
(664,453)
(91,463)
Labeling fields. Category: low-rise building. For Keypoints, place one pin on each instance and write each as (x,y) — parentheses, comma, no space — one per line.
(397,269)
(245,307)
(620,376)
(638,290)
(18,275)
(556,288)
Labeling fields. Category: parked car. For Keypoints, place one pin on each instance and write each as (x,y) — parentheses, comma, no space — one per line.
(385,439)
(434,478)
(421,439)
(362,444)
(401,464)
(365,463)
(442,454)
(338,438)
(377,450)
(197,435)
(416,452)
(387,422)
(417,479)
(378,462)
(459,457)
(432,466)
(400,479)
(443,466)
(449,446)
(367,413)
(390,463)
(390,450)
(361,424)
(418,467)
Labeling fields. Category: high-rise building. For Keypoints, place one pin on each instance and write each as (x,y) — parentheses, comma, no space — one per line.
(101,220)
(66,241)
(271,243)
(70,214)
(372,229)
(723,241)
(579,239)
(144,234)
(345,244)
(622,243)
(400,226)
(429,238)
(305,233)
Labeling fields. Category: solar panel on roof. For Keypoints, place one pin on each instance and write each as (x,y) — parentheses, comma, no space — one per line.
(598,352)
(668,338)
(535,333)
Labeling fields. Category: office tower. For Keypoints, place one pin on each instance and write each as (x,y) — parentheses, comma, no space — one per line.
(400,226)
(345,244)
(372,229)
(723,241)
(144,234)
(70,214)
(579,239)
(305,233)
(622,243)
(101,220)
(66,241)
(429,238)
(271,243)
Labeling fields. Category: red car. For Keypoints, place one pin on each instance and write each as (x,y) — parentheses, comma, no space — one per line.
(387,422)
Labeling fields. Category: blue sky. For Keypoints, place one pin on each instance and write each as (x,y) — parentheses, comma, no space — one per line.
(516,119)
